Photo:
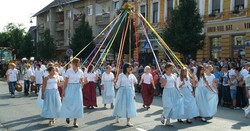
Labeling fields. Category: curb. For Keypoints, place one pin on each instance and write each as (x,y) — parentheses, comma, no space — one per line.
(2,128)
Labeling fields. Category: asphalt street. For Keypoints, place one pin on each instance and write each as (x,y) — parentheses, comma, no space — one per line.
(20,113)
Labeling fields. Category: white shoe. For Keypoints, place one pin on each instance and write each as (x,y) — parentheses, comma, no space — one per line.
(247,111)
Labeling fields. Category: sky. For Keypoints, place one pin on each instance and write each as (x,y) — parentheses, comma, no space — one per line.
(20,11)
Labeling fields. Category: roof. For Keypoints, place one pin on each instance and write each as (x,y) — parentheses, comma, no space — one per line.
(32,28)
(54,3)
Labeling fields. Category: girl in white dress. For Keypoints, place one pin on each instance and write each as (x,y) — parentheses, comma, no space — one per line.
(184,82)
(107,83)
(206,93)
(72,102)
(173,103)
(125,106)
(50,95)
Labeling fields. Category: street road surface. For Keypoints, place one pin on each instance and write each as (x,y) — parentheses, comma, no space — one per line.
(21,114)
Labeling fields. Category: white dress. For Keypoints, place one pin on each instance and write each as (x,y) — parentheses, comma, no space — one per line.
(108,94)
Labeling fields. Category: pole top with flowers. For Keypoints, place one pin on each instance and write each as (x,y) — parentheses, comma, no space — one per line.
(127,7)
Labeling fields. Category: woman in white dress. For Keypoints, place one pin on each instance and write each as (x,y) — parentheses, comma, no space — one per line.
(173,103)
(107,83)
(184,83)
(50,95)
(125,106)
(205,93)
(72,102)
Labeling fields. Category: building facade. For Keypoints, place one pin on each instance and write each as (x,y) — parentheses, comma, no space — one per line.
(61,17)
(227,25)
(227,28)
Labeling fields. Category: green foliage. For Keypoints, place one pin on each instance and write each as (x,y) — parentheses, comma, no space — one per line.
(4,39)
(184,33)
(82,37)
(16,37)
(27,49)
(46,47)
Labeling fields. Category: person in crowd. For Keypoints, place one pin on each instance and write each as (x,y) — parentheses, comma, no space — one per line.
(184,83)
(39,80)
(241,100)
(72,102)
(218,75)
(89,89)
(247,81)
(27,77)
(233,85)
(50,95)
(226,87)
(172,99)
(147,87)
(98,81)
(206,92)
(107,83)
(125,105)
(12,78)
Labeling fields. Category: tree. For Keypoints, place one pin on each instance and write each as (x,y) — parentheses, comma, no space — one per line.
(16,34)
(82,37)
(27,48)
(184,33)
(46,47)
(4,39)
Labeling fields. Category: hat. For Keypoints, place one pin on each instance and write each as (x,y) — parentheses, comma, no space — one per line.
(247,64)
(225,66)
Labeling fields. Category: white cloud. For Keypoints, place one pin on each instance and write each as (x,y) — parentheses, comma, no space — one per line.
(19,11)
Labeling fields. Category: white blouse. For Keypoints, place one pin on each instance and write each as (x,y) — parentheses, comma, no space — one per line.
(147,78)
(107,77)
(74,77)
(90,77)
(210,79)
(12,74)
(201,82)
(124,81)
(170,81)
(186,81)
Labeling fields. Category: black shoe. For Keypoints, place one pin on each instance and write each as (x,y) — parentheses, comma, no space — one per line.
(143,106)
(76,125)
(67,120)
(179,120)
(188,121)
(203,120)
(148,107)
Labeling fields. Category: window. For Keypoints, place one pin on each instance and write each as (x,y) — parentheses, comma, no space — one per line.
(116,5)
(143,10)
(169,8)
(155,12)
(68,13)
(238,40)
(47,18)
(90,10)
(216,47)
(239,5)
(216,6)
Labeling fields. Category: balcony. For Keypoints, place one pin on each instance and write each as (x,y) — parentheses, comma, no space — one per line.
(103,19)
(101,1)
(59,42)
(239,11)
(59,26)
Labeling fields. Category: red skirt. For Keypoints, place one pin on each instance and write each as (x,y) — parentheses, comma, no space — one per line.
(147,92)
(60,91)
(89,94)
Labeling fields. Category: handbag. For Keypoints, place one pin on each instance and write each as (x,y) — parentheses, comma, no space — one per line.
(19,87)
(33,87)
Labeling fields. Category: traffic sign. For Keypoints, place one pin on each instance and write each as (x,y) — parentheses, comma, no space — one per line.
(69,52)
